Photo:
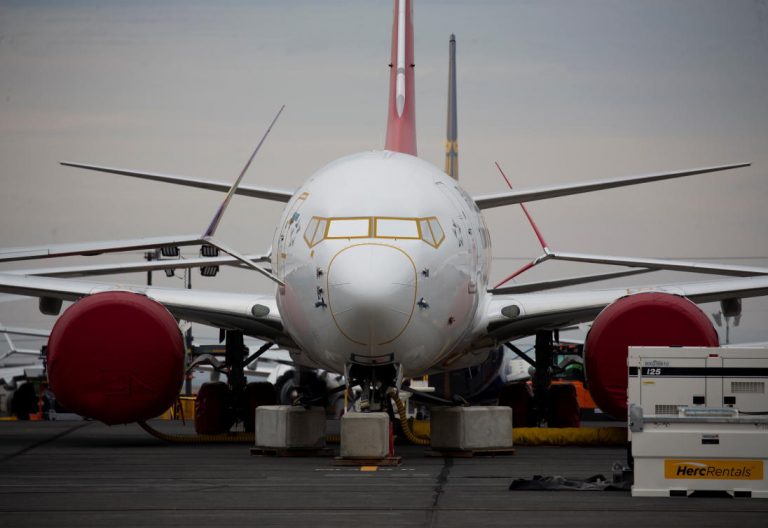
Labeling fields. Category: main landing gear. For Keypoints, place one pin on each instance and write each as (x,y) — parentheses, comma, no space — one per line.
(220,405)
(550,404)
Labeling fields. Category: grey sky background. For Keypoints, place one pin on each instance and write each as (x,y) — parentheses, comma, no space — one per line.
(555,91)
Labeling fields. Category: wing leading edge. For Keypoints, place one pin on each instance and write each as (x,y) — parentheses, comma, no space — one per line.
(96,248)
(511,316)
(265,193)
(256,315)
(134,267)
(488,201)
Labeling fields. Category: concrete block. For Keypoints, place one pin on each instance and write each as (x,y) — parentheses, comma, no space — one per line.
(364,435)
(471,428)
(286,426)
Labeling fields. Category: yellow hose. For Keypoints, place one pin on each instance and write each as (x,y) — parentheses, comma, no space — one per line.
(412,438)
(570,436)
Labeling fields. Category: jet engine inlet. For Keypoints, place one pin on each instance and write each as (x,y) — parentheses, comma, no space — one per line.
(643,319)
(117,357)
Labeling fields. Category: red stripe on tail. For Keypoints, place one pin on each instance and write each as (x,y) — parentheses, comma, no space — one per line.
(401,126)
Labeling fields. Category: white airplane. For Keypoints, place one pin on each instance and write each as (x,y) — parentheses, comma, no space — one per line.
(381,265)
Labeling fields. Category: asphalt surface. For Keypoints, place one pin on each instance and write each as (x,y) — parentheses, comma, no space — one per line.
(61,474)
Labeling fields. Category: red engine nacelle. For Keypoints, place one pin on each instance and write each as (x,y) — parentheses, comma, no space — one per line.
(643,319)
(117,357)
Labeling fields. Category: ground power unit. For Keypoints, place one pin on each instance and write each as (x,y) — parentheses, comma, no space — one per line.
(698,420)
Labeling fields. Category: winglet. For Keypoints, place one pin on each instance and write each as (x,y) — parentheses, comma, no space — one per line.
(208,235)
(401,123)
(242,258)
(543,243)
(13,350)
(223,207)
(10,348)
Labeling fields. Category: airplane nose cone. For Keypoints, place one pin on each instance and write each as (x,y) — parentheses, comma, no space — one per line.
(371,293)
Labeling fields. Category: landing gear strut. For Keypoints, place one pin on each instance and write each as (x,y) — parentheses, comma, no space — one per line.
(235,354)
(218,406)
(542,378)
(553,405)
(374,381)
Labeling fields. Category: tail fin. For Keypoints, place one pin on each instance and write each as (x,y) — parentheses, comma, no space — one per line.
(451,133)
(401,123)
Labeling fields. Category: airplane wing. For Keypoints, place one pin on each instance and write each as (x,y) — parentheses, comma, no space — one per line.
(560,283)
(659,264)
(256,315)
(266,193)
(96,248)
(13,350)
(133,267)
(644,265)
(488,201)
(30,332)
(512,316)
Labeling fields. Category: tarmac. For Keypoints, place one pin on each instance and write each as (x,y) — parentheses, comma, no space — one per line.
(61,474)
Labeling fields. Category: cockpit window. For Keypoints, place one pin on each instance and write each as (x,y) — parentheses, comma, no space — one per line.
(397,228)
(437,231)
(431,232)
(315,231)
(349,228)
(426,229)
(426,234)
(322,225)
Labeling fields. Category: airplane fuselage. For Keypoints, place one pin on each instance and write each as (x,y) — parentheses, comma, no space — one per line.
(385,260)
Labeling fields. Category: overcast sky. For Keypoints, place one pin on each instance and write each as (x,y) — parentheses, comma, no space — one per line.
(555,91)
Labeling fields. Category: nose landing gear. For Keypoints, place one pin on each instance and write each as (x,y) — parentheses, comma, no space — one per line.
(374,382)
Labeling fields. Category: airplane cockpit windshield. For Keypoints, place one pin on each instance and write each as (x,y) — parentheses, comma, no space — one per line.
(426,229)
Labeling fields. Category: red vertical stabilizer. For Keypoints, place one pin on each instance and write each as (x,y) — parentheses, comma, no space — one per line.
(401,122)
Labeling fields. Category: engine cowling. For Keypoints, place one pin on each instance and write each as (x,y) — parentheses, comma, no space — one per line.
(642,319)
(117,357)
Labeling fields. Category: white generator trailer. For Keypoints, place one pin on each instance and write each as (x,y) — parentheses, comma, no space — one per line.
(698,420)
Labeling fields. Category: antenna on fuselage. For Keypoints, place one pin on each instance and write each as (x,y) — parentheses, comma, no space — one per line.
(451,133)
